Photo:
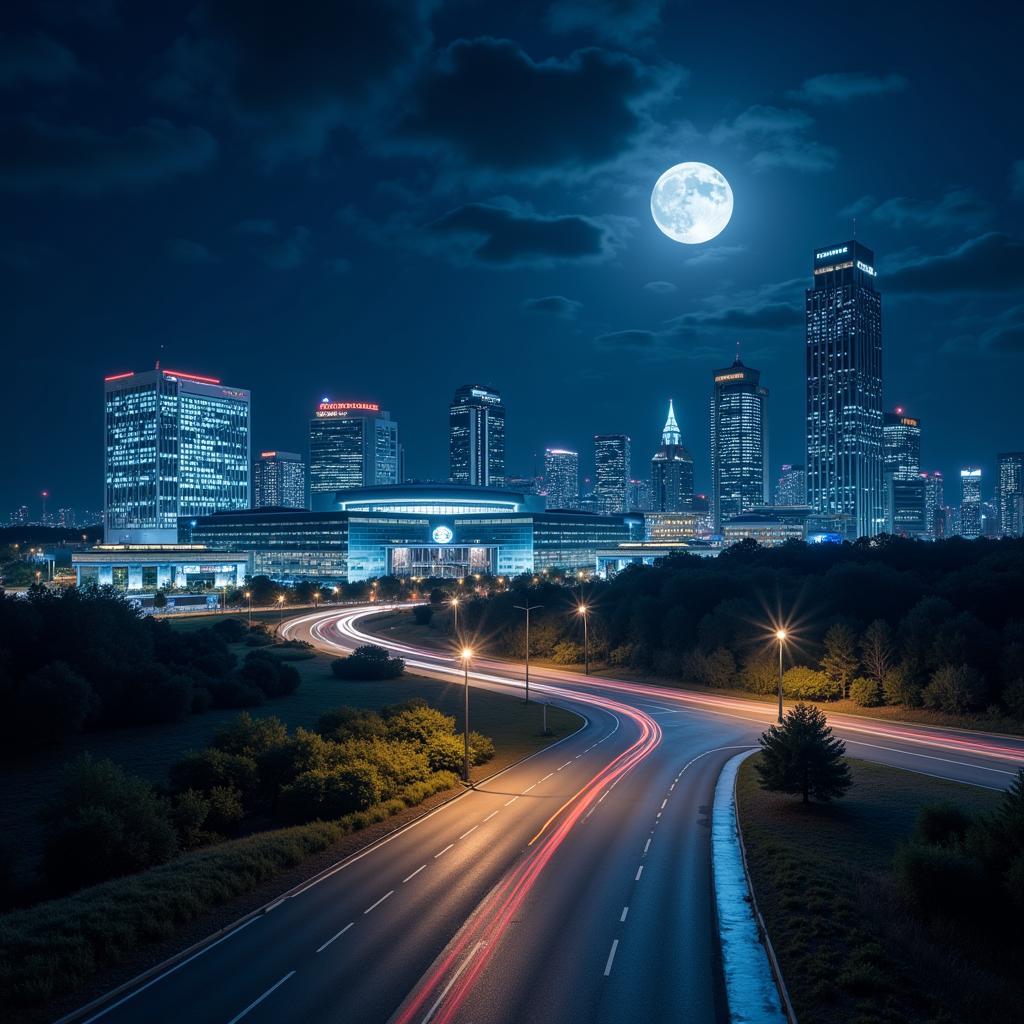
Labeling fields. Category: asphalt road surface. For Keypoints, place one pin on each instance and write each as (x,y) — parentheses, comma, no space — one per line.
(575,886)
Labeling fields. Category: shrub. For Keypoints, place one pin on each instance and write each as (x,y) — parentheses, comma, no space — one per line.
(225,810)
(204,770)
(565,652)
(802,756)
(446,753)
(1013,698)
(51,704)
(865,692)
(422,614)
(231,631)
(350,723)
(954,689)
(189,815)
(941,824)
(939,880)
(419,724)
(368,662)
(250,736)
(900,687)
(806,684)
(481,748)
(331,793)
(623,655)
(721,667)
(760,673)
(233,692)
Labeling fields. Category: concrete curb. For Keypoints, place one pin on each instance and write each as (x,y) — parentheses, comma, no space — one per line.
(754,987)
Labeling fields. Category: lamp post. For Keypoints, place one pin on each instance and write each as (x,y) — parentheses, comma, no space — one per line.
(467,653)
(334,590)
(582,609)
(527,608)
(454,602)
(248,597)
(280,609)
(780,635)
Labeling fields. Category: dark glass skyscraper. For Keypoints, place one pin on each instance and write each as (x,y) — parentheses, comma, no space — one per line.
(476,437)
(177,444)
(612,470)
(1010,496)
(844,389)
(671,470)
(791,487)
(279,480)
(970,502)
(739,442)
(562,478)
(905,489)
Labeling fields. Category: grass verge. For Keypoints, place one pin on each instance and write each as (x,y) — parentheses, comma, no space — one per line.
(850,949)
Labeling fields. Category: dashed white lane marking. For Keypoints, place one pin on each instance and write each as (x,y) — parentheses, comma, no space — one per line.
(625,911)
(647,845)
(379,902)
(566,765)
(256,1002)
(512,801)
(414,874)
(548,776)
(445,850)
(473,829)
(338,935)
(663,802)
(639,872)
(528,788)
(658,815)
(454,978)
(491,815)
(611,957)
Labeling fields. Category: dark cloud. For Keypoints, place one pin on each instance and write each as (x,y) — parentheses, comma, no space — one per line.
(660,287)
(628,339)
(35,58)
(958,208)
(614,20)
(189,253)
(777,139)
(502,236)
(769,316)
(1007,337)
(991,263)
(557,306)
(843,87)
(488,103)
(38,156)
(715,254)
(293,73)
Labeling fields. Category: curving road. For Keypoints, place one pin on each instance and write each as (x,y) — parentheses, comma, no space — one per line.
(574,886)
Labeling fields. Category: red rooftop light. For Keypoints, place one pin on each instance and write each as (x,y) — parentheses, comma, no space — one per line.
(191,376)
(120,376)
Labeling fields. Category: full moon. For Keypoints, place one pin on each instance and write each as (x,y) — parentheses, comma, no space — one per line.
(691,203)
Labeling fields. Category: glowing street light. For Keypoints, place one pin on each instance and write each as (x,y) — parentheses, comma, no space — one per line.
(467,654)
(780,635)
(454,602)
(582,610)
(248,597)
(280,608)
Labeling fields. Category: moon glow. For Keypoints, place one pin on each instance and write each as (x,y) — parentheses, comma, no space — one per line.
(691,203)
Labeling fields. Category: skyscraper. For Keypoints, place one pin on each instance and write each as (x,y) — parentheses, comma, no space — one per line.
(638,496)
(844,389)
(970,502)
(177,444)
(476,437)
(1010,499)
(905,490)
(562,477)
(671,470)
(612,466)
(279,480)
(351,444)
(739,441)
(934,505)
(791,487)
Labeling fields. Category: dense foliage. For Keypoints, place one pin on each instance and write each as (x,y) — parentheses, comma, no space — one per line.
(87,659)
(368,662)
(878,621)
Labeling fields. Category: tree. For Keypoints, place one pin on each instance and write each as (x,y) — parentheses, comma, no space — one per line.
(954,689)
(806,684)
(159,599)
(877,650)
(865,692)
(840,660)
(422,614)
(368,662)
(802,756)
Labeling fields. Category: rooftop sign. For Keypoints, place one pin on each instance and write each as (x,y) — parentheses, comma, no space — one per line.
(344,408)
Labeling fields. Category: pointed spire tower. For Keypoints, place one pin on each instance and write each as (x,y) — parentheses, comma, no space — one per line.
(671,434)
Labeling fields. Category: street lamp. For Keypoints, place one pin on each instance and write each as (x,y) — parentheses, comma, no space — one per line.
(527,608)
(334,590)
(582,610)
(454,602)
(248,597)
(780,635)
(467,654)
(280,608)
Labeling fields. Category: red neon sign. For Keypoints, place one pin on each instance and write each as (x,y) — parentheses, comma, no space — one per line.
(342,406)
(120,376)
(192,376)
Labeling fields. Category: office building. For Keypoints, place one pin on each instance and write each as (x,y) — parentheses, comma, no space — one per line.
(351,444)
(791,486)
(902,445)
(279,480)
(970,503)
(844,388)
(476,437)
(739,441)
(671,470)
(1010,496)
(411,530)
(906,513)
(638,496)
(152,567)
(768,528)
(612,470)
(562,478)
(177,444)
(934,505)
(668,527)
(19,517)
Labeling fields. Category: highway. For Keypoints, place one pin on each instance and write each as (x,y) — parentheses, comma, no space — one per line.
(574,886)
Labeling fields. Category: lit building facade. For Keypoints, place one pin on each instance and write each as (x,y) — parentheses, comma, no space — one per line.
(152,567)
(668,527)
(1010,494)
(638,496)
(612,470)
(176,444)
(413,530)
(906,501)
(739,441)
(844,388)
(351,445)
(934,505)
(671,470)
(791,487)
(767,528)
(279,480)
(562,478)
(970,503)
(476,437)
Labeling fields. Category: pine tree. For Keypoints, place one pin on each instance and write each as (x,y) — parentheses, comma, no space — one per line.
(840,662)
(802,756)
(877,650)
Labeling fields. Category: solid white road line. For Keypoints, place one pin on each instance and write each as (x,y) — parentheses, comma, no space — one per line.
(255,1003)
(625,911)
(445,850)
(414,874)
(333,937)
(378,903)
(611,957)
(932,757)
(454,978)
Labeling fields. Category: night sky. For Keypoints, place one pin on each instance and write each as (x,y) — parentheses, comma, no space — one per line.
(386,200)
